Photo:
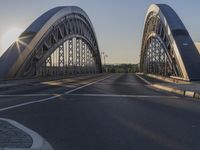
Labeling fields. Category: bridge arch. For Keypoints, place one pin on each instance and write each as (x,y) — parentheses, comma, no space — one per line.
(61,41)
(167,48)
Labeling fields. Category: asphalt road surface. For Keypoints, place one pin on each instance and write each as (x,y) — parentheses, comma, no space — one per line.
(111,112)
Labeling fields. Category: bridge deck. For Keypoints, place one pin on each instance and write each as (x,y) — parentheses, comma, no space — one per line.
(117,111)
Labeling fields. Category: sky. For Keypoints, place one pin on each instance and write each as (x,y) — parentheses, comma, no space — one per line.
(118,23)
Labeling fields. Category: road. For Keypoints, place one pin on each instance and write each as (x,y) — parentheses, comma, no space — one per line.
(112,112)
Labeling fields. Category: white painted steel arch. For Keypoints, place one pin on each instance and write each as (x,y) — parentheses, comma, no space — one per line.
(174,32)
(15,59)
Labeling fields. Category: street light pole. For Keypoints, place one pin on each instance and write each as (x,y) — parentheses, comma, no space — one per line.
(102,56)
(105,59)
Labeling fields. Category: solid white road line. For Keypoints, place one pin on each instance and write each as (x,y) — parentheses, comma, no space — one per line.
(78,88)
(28,103)
(147,82)
(124,96)
(53,97)
(26,95)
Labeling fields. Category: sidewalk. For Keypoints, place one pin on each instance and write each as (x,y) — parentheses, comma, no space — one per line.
(189,89)
(14,136)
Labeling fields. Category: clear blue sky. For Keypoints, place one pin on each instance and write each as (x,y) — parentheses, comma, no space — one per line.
(118,23)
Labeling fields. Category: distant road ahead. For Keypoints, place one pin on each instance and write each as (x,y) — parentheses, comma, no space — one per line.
(113,112)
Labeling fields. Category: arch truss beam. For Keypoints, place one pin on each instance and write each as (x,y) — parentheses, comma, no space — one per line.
(167,48)
(61,41)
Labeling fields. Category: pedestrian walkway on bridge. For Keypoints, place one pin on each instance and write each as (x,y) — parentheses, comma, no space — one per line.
(190,89)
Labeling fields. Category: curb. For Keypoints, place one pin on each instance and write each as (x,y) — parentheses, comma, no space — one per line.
(39,143)
(167,79)
(191,94)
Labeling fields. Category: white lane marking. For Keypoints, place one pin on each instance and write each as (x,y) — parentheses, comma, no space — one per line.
(124,96)
(38,141)
(119,83)
(26,95)
(28,103)
(78,88)
(147,82)
(53,97)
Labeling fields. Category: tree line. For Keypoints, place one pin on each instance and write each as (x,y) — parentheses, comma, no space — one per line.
(121,68)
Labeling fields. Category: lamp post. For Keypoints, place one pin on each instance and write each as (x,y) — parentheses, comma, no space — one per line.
(102,56)
(105,63)
(103,59)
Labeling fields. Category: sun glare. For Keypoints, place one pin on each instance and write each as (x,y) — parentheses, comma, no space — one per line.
(9,37)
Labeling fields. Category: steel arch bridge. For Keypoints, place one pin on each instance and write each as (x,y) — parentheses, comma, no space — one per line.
(167,48)
(61,41)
